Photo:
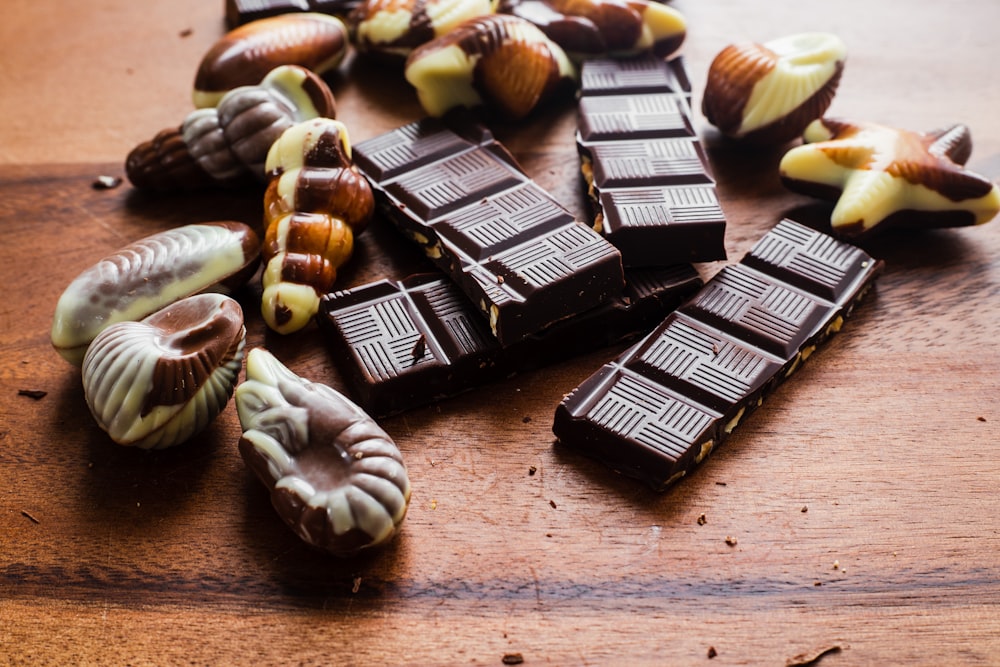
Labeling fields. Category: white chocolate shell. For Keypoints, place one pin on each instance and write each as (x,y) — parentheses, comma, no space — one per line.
(243,56)
(502,63)
(769,93)
(149,274)
(335,477)
(155,383)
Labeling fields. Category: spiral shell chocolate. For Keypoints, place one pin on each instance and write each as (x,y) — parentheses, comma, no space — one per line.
(769,93)
(501,62)
(396,27)
(244,55)
(227,144)
(148,274)
(597,28)
(315,204)
(335,477)
(157,382)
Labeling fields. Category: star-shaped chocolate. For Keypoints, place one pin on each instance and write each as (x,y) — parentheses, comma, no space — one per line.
(883,177)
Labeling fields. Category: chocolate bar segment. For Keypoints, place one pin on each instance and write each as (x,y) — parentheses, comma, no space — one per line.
(647,175)
(663,405)
(513,250)
(401,344)
(239,12)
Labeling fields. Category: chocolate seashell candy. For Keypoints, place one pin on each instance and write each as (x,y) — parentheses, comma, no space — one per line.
(157,382)
(335,477)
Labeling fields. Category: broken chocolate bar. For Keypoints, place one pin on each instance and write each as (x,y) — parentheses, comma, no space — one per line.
(515,251)
(646,172)
(401,344)
(663,405)
(239,12)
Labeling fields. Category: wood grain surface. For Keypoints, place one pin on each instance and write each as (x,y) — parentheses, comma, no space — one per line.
(852,520)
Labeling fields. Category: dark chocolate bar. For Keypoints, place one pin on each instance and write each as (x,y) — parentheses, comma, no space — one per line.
(513,249)
(663,405)
(401,344)
(647,174)
(239,12)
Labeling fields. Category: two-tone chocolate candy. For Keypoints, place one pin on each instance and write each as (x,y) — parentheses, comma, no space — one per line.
(239,12)
(401,344)
(646,172)
(335,477)
(396,27)
(661,407)
(315,204)
(768,93)
(228,144)
(149,274)
(517,254)
(500,64)
(157,382)
(884,178)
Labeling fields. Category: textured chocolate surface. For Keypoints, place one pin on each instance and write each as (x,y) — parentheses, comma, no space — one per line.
(663,405)
(507,243)
(239,12)
(647,174)
(401,344)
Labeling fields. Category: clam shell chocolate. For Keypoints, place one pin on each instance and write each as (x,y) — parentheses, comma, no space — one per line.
(243,56)
(335,477)
(768,93)
(501,63)
(149,274)
(157,382)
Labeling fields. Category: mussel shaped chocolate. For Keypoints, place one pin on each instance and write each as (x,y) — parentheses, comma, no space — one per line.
(335,477)
(501,63)
(396,27)
(768,93)
(157,382)
(244,55)
(149,274)
(315,204)
(228,144)
(596,28)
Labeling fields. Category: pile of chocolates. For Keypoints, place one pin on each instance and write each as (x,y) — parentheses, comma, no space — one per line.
(522,282)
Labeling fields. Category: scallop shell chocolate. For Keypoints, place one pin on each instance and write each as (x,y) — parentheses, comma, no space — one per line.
(501,63)
(768,93)
(149,274)
(157,382)
(335,477)
(244,55)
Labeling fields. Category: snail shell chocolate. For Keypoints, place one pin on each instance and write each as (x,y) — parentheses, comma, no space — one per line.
(396,27)
(148,274)
(157,382)
(499,62)
(315,204)
(335,477)
(246,54)
(229,143)
(769,93)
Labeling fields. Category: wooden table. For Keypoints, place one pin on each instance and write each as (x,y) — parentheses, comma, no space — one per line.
(862,497)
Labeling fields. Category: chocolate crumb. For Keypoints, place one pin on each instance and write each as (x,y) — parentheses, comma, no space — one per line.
(526,419)
(982,419)
(730,540)
(419,348)
(36,394)
(715,348)
(552,503)
(27,515)
(357,585)
(804,509)
(817,583)
(720,484)
(712,652)
(807,659)
(106,182)
(512,659)
(532,470)
(186,32)
(499,280)
(702,520)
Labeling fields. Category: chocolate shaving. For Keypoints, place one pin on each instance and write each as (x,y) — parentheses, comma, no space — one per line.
(106,182)
(712,652)
(512,659)
(36,394)
(27,515)
(186,32)
(807,659)
(419,348)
